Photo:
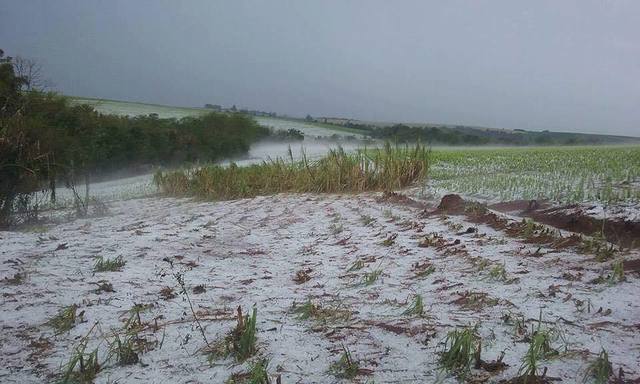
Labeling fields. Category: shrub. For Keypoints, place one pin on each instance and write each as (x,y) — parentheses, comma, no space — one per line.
(378,169)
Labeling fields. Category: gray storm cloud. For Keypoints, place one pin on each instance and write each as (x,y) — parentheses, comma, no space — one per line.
(557,65)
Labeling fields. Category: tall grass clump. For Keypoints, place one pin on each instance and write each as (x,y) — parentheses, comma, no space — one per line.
(461,348)
(346,367)
(241,341)
(378,169)
(540,348)
(65,319)
(600,370)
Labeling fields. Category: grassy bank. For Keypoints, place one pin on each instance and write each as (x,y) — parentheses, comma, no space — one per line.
(377,169)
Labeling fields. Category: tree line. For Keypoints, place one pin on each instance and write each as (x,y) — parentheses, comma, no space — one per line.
(463,135)
(44,140)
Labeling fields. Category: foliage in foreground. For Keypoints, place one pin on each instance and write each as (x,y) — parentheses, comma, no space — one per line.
(346,367)
(600,370)
(257,374)
(460,349)
(540,348)
(241,341)
(378,169)
(65,319)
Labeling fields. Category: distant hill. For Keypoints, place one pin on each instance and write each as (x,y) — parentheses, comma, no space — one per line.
(131,108)
(404,132)
(470,135)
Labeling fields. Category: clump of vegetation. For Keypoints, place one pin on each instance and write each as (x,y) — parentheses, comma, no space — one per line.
(336,228)
(475,300)
(599,246)
(371,277)
(416,308)
(357,265)
(386,168)
(431,240)
(600,370)
(518,323)
(302,276)
(241,342)
(366,220)
(65,319)
(346,367)
(17,279)
(108,265)
(617,274)
(461,349)
(497,273)
(539,349)
(257,374)
(167,293)
(134,321)
(389,241)
(124,350)
(307,310)
(103,286)
(321,313)
(83,366)
(287,135)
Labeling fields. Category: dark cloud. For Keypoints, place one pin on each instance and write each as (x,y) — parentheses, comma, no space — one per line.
(559,65)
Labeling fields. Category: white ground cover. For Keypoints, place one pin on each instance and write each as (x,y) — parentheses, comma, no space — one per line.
(126,108)
(247,252)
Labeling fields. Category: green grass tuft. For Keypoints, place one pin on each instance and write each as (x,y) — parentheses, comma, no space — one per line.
(109,265)
(346,367)
(460,351)
(617,275)
(371,277)
(65,319)
(124,350)
(416,308)
(241,341)
(600,370)
(357,265)
(539,349)
(83,366)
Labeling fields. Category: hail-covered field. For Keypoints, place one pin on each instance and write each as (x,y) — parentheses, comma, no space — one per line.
(371,287)
(129,108)
(153,290)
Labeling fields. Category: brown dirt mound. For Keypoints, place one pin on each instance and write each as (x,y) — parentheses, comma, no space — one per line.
(520,205)
(571,218)
(621,232)
(451,204)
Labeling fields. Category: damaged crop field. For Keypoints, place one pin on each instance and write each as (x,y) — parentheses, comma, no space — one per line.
(319,192)
(314,272)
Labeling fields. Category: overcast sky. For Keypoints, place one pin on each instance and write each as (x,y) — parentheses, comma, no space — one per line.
(558,65)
